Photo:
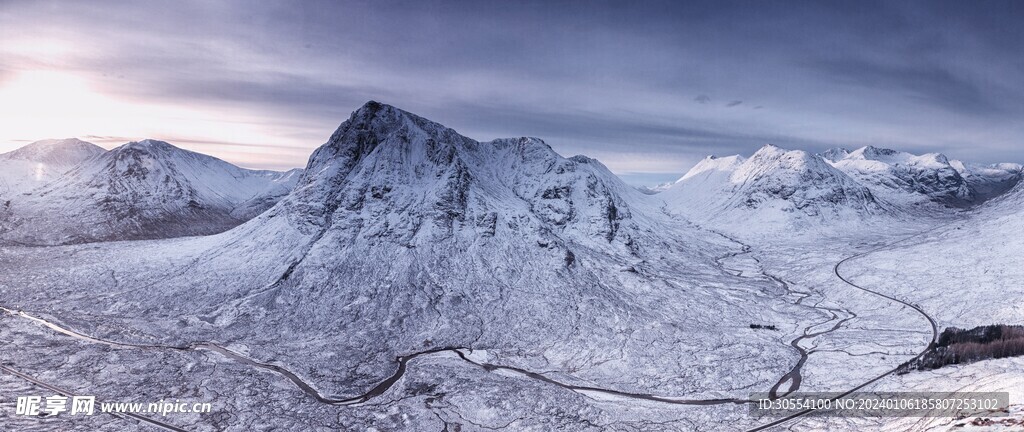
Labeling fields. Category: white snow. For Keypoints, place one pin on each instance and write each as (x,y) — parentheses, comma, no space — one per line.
(145,189)
(403,236)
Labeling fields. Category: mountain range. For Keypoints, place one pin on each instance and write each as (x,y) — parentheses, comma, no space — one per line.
(931,177)
(781,189)
(533,290)
(71,191)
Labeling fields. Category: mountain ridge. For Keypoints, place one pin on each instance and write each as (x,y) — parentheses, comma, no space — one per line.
(911,179)
(781,188)
(139,190)
(535,238)
(39,162)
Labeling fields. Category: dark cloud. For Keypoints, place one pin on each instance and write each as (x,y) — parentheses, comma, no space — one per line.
(610,78)
(931,84)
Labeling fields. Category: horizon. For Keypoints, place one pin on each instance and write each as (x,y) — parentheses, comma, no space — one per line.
(649,90)
(636,181)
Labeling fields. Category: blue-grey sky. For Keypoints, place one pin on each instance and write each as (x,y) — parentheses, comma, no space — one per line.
(646,87)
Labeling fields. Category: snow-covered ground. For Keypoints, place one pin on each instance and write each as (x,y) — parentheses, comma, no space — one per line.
(575,301)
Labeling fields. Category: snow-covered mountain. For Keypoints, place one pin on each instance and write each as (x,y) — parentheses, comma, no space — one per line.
(403,236)
(982,249)
(909,179)
(385,161)
(711,172)
(37,163)
(774,186)
(144,189)
(989,181)
(516,288)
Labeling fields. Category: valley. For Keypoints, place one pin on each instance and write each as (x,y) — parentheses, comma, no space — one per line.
(411,278)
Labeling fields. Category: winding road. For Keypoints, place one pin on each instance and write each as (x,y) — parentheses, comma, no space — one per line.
(793,377)
(918,309)
(142,419)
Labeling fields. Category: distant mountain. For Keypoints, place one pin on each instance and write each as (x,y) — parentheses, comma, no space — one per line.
(711,172)
(1008,204)
(989,181)
(909,179)
(653,190)
(37,163)
(775,187)
(144,189)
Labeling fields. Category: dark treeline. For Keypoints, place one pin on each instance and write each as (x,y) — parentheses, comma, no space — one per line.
(956,346)
(763,327)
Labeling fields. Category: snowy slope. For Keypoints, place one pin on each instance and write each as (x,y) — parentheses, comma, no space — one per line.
(775,187)
(401,230)
(711,172)
(909,179)
(37,163)
(145,189)
(968,273)
(402,236)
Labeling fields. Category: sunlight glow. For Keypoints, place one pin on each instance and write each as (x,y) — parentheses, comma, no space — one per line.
(43,104)
(46,101)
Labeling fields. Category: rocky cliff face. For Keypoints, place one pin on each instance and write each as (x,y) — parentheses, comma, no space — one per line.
(389,174)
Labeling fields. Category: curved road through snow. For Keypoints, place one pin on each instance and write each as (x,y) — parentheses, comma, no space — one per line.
(918,309)
(402,361)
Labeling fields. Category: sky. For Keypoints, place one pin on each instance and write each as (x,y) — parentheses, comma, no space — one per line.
(648,88)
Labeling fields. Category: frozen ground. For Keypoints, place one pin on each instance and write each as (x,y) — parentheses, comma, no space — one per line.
(531,292)
(441,389)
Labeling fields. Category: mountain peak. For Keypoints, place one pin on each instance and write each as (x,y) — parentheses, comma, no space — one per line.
(713,164)
(146,189)
(373,109)
(790,159)
(434,183)
(783,186)
(896,157)
(64,142)
(876,153)
(149,144)
(386,118)
(64,152)
(835,154)
(380,126)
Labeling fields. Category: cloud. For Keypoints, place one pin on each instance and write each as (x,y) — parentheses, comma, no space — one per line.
(929,83)
(596,78)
